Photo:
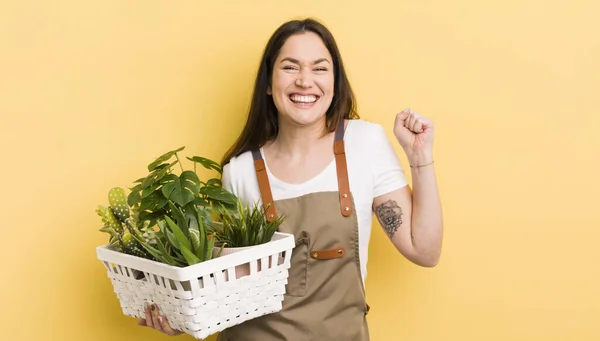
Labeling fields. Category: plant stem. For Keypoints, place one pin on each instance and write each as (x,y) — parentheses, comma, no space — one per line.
(180,164)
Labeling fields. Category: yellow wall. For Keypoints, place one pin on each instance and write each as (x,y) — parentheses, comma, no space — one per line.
(91,92)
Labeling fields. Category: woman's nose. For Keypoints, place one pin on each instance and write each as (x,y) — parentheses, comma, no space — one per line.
(304,79)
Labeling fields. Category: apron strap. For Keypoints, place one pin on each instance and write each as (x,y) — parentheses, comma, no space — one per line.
(339,150)
(263,185)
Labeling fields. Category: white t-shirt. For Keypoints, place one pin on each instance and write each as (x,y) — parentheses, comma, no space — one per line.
(373,170)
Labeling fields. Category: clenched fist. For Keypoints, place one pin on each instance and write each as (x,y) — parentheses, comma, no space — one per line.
(415,134)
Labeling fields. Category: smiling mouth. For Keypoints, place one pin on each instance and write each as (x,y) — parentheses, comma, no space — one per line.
(303,99)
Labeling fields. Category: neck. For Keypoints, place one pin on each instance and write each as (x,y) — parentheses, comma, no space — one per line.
(298,140)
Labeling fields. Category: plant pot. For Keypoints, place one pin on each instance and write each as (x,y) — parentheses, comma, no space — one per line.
(240,270)
(243,269)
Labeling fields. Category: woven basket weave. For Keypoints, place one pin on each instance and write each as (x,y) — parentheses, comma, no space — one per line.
(205,298)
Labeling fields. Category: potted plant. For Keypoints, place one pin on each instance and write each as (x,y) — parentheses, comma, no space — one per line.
(242,228)
(166,239)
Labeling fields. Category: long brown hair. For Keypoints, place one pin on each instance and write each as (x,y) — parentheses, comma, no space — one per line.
(262,124)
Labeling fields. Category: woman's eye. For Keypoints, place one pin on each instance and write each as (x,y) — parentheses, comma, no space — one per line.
(321,69)
(289,67)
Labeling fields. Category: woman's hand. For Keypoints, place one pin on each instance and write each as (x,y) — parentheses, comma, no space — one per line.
(415,134)
(156,321)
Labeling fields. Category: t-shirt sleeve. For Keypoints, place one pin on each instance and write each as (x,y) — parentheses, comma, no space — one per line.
(388,174)
(239,178)
(226,180)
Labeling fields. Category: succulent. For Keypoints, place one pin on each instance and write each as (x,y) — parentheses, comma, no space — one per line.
(246,226)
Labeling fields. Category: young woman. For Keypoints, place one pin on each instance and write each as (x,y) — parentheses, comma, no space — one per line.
(304,151)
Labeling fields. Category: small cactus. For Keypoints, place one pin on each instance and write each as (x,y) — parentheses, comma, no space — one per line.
(118,203)
(124,235)
(127,240)
(131,246)
(110,221)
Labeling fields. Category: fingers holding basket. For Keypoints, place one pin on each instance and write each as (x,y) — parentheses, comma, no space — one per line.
(157,321)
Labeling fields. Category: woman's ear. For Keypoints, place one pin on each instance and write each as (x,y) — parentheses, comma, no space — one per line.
(269,91)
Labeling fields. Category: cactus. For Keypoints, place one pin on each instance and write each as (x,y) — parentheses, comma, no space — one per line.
(118,203)
(112,225)
(131,246)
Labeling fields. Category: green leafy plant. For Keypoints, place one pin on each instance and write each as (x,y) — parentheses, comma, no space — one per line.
(245,226)
(165,217)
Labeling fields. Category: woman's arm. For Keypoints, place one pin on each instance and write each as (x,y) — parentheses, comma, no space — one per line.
(413,221)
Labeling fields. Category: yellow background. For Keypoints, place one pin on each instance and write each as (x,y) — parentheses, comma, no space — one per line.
(92,91)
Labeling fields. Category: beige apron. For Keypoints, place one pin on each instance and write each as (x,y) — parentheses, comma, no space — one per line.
(325,297)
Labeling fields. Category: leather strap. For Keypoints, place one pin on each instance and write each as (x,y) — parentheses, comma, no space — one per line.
(339,150)
(339,131)
(264,186)
(328,254)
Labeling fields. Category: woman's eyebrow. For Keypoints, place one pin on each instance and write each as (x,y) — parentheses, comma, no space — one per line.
(296,61)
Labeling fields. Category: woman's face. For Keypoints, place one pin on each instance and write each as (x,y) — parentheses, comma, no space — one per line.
(302,85)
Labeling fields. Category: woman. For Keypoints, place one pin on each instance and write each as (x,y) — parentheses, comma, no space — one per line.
(305,150)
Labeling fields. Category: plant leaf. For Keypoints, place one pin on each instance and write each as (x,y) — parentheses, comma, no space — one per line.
(200,202)
(109,230)
(179,218)
(195,237)
(202,244)
(206,163)
(151,202)
(134,198)
(219,194)
(163,250)
(149,190)
(151,215)
(189,255)
(214,182)
(149,180)
(159,255)
(172,240)
(191,216)
(246,226)
(181,238)
(157,174)
(222,208)
(209,248)
(183,189)
(166,156)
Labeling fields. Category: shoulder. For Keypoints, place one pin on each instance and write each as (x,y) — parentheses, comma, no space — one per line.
(238,162)
(239,167)
(239,176)
(370,151)
(365,135)
(360,127)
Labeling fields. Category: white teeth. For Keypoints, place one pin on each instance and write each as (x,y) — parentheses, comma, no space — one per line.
(303,99)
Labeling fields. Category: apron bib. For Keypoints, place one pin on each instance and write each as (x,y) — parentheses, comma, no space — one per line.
(325,296)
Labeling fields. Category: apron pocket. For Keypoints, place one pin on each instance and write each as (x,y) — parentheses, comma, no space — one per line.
(298,271)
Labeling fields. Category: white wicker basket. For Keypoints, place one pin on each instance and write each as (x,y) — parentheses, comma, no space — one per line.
(204,298)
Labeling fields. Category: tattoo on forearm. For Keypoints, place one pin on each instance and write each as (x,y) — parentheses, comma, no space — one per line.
(390,216)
